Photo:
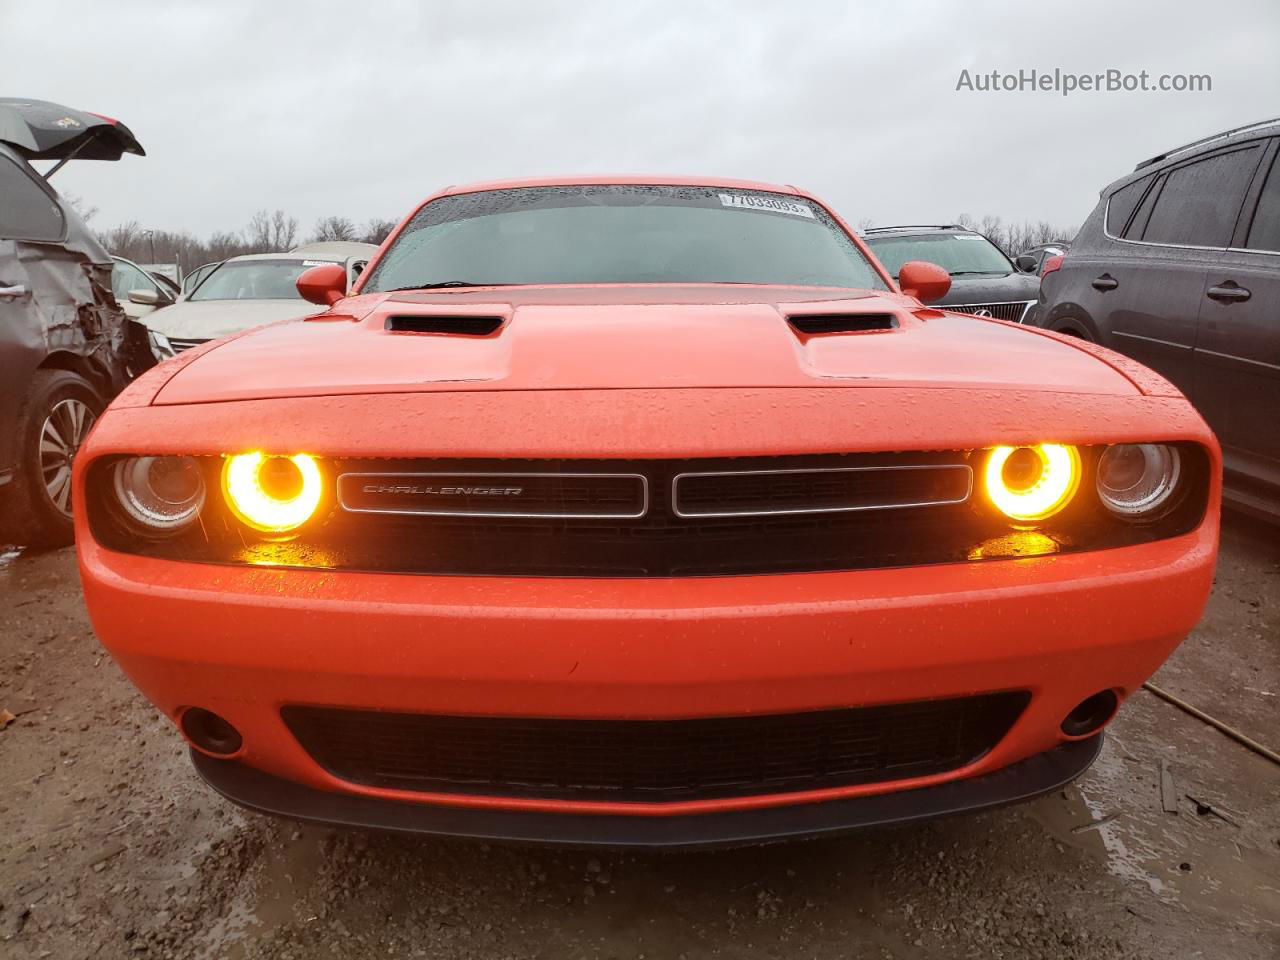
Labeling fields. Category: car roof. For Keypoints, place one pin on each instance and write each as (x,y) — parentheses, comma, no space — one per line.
(652,180)
(874,233)
(1175,155)
(336,248)
(296,257)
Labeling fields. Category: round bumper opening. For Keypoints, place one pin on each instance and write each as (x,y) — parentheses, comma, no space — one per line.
(209,732)
(1091,714)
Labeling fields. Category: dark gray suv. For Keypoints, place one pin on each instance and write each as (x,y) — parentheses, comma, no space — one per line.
(1178,266)
(66,348)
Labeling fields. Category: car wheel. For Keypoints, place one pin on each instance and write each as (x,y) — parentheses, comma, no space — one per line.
(61,408)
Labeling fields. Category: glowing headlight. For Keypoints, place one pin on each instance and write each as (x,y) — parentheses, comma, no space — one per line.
(1137,479)
(1032,483)
(272,494)
(159,494)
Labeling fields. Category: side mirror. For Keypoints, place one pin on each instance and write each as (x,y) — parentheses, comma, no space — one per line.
(144,298)
(1026,263)
(325,284)
(924,281)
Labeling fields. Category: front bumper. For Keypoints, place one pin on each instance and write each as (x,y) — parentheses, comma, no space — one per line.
(1021,781)
(245,642)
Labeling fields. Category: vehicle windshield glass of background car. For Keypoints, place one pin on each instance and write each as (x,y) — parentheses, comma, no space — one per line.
(957,253)
(254,280)
(621,234)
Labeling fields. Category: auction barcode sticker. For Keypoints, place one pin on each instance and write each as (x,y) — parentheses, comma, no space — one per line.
(767,204)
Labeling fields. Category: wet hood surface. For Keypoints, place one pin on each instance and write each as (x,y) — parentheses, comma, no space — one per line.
(584,338)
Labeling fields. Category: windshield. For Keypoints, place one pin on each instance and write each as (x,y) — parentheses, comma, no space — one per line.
(622,234)
(957,253)
(254,280)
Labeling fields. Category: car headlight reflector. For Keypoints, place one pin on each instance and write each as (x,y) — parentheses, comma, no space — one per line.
(1137,479)
(159,494)
(1031,483)
(274,494)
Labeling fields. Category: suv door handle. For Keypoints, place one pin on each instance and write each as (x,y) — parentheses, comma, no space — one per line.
(15,291)
(1229,292)
(1105,282)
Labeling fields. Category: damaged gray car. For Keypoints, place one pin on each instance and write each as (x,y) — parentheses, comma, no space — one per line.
(66,347)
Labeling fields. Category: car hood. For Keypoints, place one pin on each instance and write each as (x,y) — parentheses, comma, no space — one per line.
(630,337)
(209,319)
(991,289)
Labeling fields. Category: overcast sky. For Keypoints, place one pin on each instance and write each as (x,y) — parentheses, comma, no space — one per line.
(363,108)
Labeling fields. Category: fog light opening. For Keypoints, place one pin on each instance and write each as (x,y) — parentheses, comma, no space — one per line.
(210,733)
(1091,714)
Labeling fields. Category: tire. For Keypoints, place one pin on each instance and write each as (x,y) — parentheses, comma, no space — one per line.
(1075,331)
(61,407)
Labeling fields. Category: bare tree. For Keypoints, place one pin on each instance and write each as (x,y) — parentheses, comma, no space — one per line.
(284,231)
(376,230)
(271,232)
(1013,238)
(334,228)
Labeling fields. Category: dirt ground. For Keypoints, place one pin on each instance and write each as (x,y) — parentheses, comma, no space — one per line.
(110,847)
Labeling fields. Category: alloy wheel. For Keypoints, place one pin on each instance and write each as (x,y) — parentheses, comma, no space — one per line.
(65,428)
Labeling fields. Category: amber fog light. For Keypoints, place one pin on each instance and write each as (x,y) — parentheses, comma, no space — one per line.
(210,732)
(160,495)
(1138,480)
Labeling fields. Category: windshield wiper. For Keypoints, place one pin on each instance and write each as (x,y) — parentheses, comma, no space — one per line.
(973,273)
(446,283)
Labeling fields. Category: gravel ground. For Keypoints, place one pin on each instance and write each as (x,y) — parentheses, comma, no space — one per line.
(110,847)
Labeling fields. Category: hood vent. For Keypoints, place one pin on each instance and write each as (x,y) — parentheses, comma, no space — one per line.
(458,326)
(811,323)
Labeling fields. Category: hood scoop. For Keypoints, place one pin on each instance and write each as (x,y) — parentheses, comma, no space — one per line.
(466,326)
(816,323)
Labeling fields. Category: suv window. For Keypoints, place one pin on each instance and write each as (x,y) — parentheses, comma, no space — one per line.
(1140,219)
(1264,234)
(26,211)
(1200,201)
(1121,204)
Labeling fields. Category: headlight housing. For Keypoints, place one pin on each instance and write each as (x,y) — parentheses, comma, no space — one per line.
(160,345)
(273,494)
(1031,483)
(159,495)
(1138,480)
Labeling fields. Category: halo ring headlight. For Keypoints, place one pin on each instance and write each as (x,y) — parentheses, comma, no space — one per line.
(1137,480)
(1030,483)
(274,494)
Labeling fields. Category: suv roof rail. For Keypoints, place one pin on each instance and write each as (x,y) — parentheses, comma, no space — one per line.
(1257,125)
(918,226)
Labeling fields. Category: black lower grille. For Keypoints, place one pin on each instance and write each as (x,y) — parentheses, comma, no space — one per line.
(653,760)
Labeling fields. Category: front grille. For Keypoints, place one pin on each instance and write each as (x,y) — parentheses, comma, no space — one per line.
(740,522)
(184,343)
(571,496)
(740,493)
(1013,310)
(653,760)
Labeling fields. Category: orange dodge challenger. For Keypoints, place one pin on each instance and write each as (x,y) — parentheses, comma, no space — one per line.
(642,511)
